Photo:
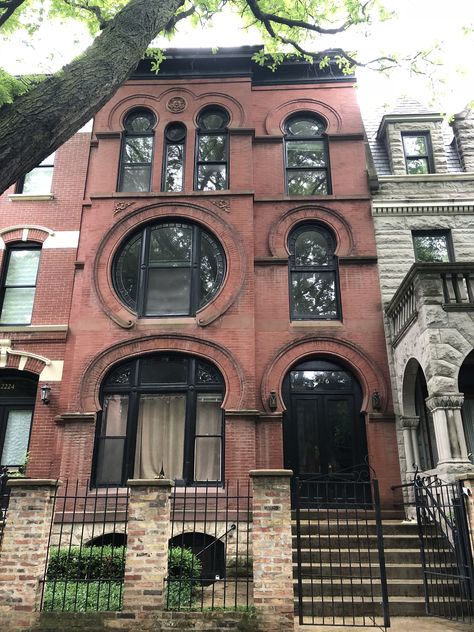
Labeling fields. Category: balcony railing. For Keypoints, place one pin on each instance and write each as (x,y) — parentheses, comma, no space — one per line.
(449,285)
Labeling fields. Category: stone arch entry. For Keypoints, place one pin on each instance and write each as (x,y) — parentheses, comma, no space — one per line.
(323,432)
(466,386)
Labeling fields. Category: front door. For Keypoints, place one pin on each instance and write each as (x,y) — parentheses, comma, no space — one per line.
(324,431)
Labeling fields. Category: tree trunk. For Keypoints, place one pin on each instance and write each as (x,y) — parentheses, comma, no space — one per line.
(37,123)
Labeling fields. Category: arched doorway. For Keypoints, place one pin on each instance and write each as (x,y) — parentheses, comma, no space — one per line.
(324,431)
(17,401)
(466,386)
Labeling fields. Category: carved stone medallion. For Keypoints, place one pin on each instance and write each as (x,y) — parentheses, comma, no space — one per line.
(176,105)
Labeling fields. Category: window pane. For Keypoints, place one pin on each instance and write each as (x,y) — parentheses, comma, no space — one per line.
(169,291)
(305,127)
(214,120)
(114,421)
(313,295)
(207,459)
(38,181)
(415,145)
(171,245)
(18,305)
(136,178)
(208,374)
(312,248)
(110,461)
(138,149)
(164,370)
(174,168)
(211,270)
(211,177)
(308,381)
(308,153)
(128,270)
(417,165)
(209,414)
(307,182)
(15,445)
(431,248)
(212,148)
(160,436)
(121,376)
(22,267)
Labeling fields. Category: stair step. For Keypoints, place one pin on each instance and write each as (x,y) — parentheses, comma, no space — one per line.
(358,607)
(329,588)
(394,571)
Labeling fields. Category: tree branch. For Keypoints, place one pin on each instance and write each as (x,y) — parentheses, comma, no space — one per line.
(96,11)
(10,7)
(178,17)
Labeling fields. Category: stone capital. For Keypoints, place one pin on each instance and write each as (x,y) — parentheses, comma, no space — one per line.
(445,400)
(410,422)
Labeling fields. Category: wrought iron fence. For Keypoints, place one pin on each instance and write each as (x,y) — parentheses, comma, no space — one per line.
(446,556)
(4,500)
(210,564)
(338,546)
(86,553)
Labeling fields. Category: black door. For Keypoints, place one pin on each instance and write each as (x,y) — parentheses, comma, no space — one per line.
(324,431)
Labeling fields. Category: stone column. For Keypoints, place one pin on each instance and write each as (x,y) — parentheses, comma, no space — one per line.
(410,439)
(149,527)
(450,440)
(24,549)
(272,550)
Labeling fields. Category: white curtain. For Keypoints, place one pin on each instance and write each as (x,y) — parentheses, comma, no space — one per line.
(207,452)
(160,436)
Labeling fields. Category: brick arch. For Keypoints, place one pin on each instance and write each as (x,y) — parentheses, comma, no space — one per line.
(25,232)
(120,109)
(337,349)
(335,221)
(276,118)
(21,360)
(94,374)
(224,232)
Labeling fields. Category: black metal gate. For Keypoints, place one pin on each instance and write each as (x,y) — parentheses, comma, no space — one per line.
(341,578)
(446,555)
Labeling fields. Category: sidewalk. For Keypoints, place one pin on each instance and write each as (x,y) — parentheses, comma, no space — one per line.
(399,624)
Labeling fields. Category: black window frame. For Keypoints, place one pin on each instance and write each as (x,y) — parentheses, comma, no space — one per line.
(434,233)
(10,401)
(410,157)
(195,299)
(128,133)
(43,165)
(167,142)
(201,131)
(294,268)
(295,138)
(3,278)
(192,388)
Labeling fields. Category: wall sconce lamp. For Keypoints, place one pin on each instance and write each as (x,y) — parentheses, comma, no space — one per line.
(46,394)
(272,401)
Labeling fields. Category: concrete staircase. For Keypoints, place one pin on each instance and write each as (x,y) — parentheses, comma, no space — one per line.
(340,569)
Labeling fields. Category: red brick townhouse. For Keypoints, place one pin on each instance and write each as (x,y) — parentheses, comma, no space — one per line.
(195,291)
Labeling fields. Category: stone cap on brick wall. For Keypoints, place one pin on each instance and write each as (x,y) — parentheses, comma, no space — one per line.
(33,482)
(257,473)
(150,482)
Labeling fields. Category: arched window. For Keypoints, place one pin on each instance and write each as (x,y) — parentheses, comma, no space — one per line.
(212,150)
(19,284)
(137,151)
(161,414)
(314,283)
(169,269)
(173,162)
(306,152)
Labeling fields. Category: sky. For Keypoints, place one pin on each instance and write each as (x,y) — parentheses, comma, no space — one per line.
(418,25)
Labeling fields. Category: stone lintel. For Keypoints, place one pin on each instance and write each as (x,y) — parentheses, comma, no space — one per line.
(75,417)
(150,482)
(33,482)
(271,473)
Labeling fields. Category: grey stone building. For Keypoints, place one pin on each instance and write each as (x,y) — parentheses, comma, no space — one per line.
(422,179)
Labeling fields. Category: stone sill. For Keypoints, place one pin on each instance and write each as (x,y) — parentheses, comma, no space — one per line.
(33,328)
(317,324)
(30,197)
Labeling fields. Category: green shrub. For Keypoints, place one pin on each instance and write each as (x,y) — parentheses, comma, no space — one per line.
(82,596)
(107,563)
(184,573)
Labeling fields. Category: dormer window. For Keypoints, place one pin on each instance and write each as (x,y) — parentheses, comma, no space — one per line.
(418,153)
